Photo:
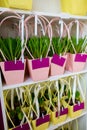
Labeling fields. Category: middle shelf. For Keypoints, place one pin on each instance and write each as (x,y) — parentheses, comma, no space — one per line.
(29,81)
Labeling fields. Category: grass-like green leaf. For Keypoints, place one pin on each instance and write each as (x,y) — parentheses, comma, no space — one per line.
(79,48)
(11,48)
(60,45)
(38,46)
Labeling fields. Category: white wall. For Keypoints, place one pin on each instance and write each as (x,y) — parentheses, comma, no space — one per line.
(51,6)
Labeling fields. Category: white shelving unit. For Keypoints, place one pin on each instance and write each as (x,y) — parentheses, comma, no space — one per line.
(3,105)
(52,78)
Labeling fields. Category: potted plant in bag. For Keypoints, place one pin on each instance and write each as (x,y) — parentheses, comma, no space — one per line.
(58,111)
(12,67)
(58,116)
(58,60)
(76,58)
(12,50)
(39,120)
(15,117)
(43,121)
(34,108)
(43,118)
(75,105)
(58,45)
(76,51)
(74,109)
(39,63)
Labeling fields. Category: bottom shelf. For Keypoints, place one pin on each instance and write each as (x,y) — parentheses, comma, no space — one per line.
(52,127)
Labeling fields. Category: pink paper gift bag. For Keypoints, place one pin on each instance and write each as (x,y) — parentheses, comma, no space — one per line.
(13,72)
(75,62)
(57,65)
(39,69)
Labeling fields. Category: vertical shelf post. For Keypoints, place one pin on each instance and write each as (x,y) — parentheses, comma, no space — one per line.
(3,106)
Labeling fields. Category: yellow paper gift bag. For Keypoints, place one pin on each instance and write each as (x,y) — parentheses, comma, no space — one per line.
(4,3)
(19,4)
(77,7)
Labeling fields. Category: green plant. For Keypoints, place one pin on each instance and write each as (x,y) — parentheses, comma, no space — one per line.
(38,46)
(79,48)
(41,100)
(60,45)
(15,114)
(77,97)
(11,48)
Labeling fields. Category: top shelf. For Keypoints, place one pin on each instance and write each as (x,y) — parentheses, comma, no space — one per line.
(61,15)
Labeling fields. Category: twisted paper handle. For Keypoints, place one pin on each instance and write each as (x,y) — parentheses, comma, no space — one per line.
(50,31)
(79,27)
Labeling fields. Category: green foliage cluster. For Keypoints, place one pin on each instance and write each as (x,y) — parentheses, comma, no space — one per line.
(38,46)
(11,48)
(16,114)
(79,48)
(60,45)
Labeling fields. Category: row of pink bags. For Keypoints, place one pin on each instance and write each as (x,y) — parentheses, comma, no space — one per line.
(41,68)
